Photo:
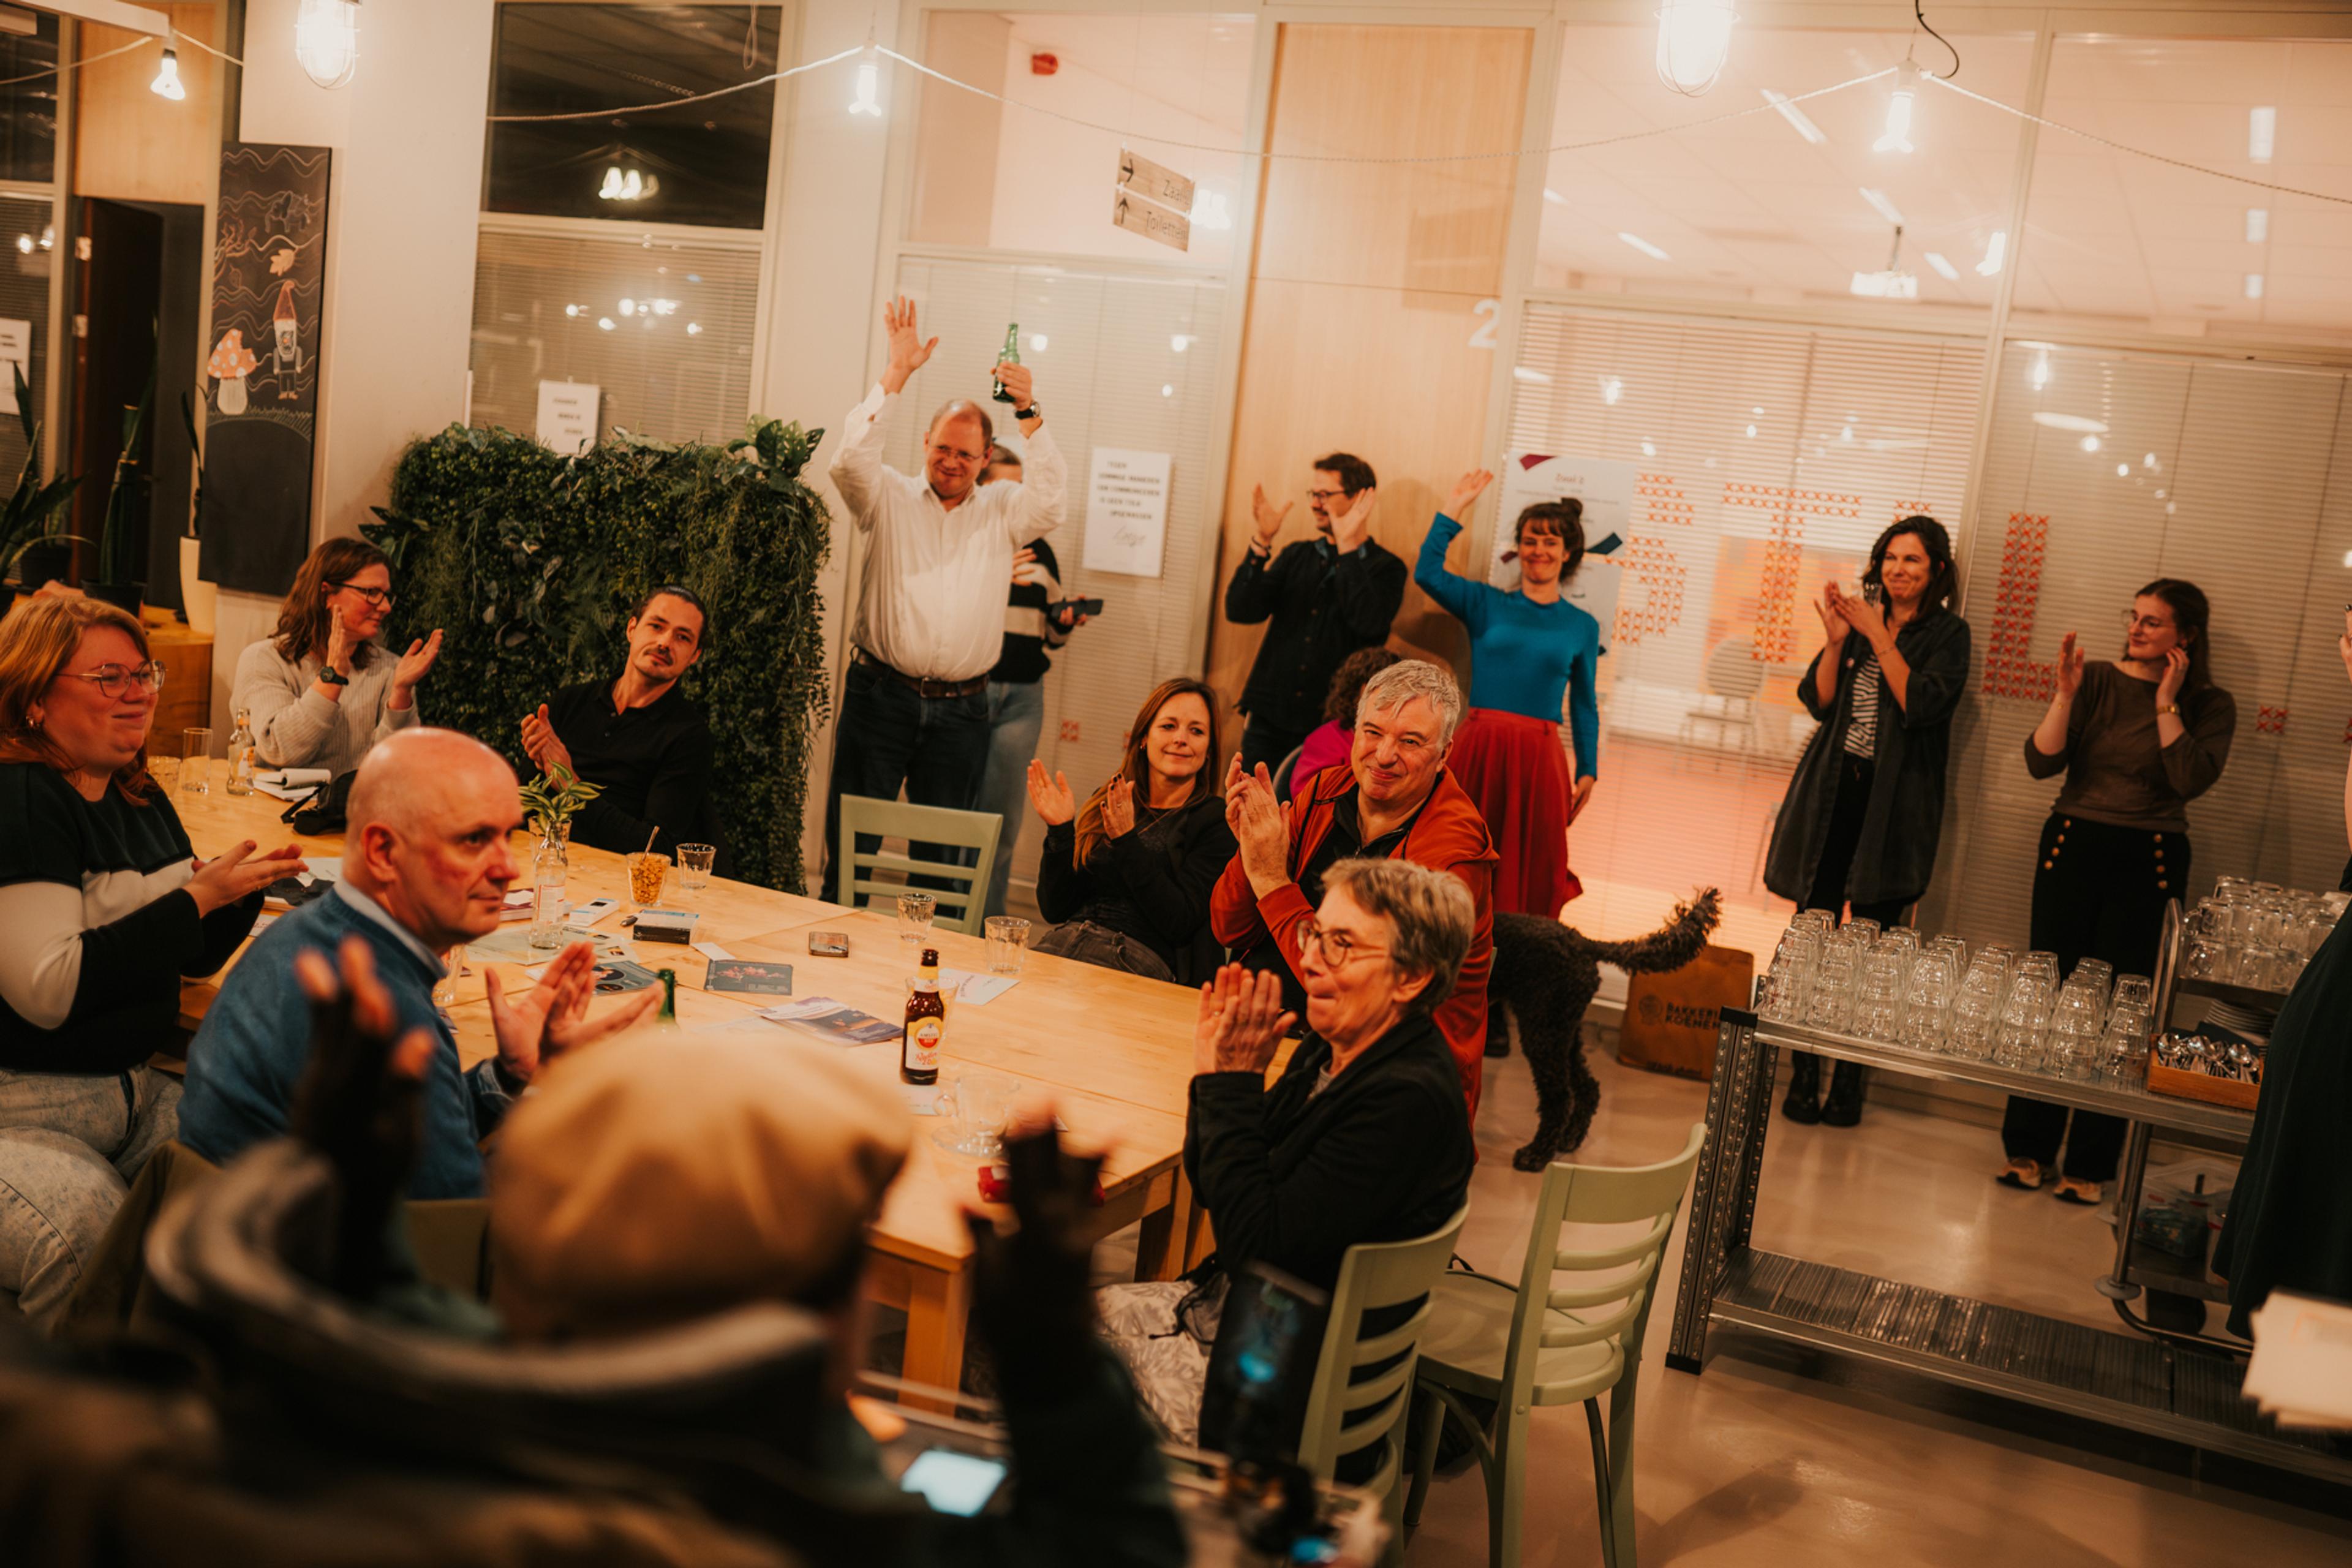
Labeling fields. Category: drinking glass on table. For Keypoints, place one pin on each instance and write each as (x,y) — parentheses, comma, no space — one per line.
(916,912)
(976,1106)
(1008,940)
(195,762)
(694,866)
(648,871)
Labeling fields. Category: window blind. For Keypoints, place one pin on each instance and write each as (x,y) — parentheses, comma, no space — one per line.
(662,323)
(1122,360)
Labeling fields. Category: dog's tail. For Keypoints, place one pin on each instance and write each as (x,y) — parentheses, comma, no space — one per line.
(1671,945)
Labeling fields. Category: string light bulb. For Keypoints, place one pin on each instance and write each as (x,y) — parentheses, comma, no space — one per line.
(327,40)
(1896,137)
(869,85)
(1694,43)
(167,76)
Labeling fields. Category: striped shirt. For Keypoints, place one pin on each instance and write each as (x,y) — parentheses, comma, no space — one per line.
(1861,732)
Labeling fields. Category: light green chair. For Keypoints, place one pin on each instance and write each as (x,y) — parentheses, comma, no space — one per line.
(1550,1341)
(1343,1416)
(863,816)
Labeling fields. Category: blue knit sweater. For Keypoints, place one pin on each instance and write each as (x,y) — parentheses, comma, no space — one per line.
(251,1050)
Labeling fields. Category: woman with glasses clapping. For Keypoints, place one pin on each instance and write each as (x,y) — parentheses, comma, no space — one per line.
(105,909)
(319,690)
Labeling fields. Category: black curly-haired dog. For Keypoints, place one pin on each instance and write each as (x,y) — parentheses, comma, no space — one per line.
(1544,975)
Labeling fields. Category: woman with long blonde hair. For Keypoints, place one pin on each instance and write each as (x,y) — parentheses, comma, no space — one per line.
(105,909)
(1127,879)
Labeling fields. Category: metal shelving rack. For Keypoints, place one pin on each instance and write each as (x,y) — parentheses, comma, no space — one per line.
(2154,1385)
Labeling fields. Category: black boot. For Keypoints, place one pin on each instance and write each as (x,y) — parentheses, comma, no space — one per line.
(1802,1102)
(1842,1107)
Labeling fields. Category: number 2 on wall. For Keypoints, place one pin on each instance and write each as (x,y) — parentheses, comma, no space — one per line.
(1482,336)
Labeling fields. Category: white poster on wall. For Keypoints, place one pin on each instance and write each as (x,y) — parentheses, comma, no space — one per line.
(1606,490)
(16,349)
(567,416)
(1126,511)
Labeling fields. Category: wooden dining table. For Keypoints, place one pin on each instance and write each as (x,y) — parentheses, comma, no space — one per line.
(1110,1053)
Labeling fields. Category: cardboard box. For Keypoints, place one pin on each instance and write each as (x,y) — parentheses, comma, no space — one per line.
(1671,1019)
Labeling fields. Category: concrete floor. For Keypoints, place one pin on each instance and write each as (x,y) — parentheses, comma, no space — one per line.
(1761,1462)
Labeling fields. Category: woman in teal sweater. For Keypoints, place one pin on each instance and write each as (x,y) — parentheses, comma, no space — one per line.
(1529,647)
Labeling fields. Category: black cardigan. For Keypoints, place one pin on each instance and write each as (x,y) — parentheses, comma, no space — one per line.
(1151,884)
(1905,815)
(1294,1179)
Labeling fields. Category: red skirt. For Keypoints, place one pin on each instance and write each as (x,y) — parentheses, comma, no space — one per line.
(1515,769)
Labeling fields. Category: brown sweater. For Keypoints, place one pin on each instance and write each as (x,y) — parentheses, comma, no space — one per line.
(2116,772)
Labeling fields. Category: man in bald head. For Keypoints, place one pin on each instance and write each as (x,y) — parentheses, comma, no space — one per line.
(427,864)
(930,606)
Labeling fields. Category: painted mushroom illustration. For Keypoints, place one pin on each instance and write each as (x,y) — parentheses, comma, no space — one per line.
(230,364)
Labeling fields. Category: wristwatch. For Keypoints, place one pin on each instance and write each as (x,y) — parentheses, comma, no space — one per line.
(333,677)
(1030,411)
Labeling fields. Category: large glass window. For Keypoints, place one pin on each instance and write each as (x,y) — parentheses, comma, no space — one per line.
(702,164)
(24,268)
(28,104)
(2113,239)
(1004,176)
(1781,207)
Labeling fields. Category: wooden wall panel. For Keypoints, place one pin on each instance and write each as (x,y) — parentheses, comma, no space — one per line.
(1364,294)
(134,146)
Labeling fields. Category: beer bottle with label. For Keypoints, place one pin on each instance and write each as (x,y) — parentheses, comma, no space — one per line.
(927,1025)
(667,1017)
(1012,355)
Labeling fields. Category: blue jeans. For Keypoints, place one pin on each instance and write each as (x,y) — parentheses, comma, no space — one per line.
(888,736)
(70,1146)
(1017,716)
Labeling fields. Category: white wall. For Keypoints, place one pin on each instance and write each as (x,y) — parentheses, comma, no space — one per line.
(408,135)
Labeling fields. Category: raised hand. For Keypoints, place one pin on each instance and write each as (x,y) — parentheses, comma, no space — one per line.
(1241,1022)
(340,642)
(542,745)
(1265,517)
(1353,524)
(1020,383)
(537,1025)
(1869,619)
(2070,667)
(239,874)
(1260,828)
(1051,797)
(414,665)
(1032,1300)
(908,350)
(1466,493)
(1118,808)
(1023,559)
(1833,621)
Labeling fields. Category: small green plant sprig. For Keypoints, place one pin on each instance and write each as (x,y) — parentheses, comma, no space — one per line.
(553,798)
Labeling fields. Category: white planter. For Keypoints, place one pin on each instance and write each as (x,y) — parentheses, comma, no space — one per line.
(199,597)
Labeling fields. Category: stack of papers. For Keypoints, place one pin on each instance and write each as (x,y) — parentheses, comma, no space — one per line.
(291,783)
(2301,1373)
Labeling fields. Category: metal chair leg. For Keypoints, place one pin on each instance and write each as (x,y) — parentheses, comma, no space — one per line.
(1601,1478)
(1430,1411)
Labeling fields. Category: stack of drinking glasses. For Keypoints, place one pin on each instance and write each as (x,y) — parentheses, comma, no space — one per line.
(1879,989)
(1829,1004)
(1928,1002)
(2025,1012)
(2257,934)
(1788,985)
(1975,1007)
(2131,1019)
(2078,1023)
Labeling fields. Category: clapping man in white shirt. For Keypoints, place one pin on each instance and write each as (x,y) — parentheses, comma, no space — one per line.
(930,609)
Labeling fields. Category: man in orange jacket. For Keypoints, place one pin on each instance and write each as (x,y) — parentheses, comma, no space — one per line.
(1393,799)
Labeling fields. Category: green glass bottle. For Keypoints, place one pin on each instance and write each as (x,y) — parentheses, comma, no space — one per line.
(667,1017)
(1012,355)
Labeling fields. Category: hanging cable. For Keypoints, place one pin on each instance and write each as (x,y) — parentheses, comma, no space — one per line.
(1919,11)
(677,102)
(137,43)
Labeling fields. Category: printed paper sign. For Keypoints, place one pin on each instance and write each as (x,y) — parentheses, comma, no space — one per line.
(1152,221)
(1126,511)
(17,349)
(567,416)
(1143,177)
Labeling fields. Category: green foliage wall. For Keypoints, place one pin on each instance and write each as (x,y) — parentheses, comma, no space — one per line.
(530,562)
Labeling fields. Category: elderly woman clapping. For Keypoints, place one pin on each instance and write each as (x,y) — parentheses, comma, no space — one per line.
(1364,1136)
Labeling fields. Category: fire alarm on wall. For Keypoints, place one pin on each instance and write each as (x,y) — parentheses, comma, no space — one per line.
(1043,64)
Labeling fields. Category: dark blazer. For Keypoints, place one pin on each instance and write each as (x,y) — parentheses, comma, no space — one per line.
(1906,813)
(1383,1154)
(1151,884)
(1324,606)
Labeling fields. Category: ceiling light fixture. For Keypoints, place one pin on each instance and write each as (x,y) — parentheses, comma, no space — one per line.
(1896,137)
(1179,343)
(2038,375)
(2262,132)
(327,40)
(2258,224)
(1531,376)
(2123,470)
(1996,254)
(694,328)
(2090,443)
(167,78)
(1694,43)
(1751,432)
(1644,247)
(1209,210)
(1554,197)
(1892,282)
(2075,422)
(869,85)
(2253,285)
(1650,449)
(1612,389)
(1944,269)
(1796,117)
(1881,206)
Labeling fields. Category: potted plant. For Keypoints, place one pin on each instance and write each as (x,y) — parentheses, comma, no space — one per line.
(551,799)
(115,584)
(198,598)
(33,540)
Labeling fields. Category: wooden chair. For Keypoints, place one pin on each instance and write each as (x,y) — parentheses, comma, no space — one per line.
(1550,1341)
(960,888)
(1342,1415)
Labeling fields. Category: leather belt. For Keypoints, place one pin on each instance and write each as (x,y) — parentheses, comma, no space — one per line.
(921,685)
